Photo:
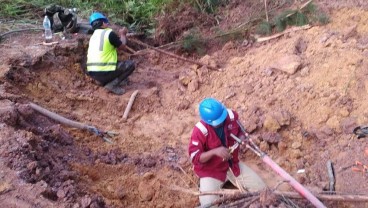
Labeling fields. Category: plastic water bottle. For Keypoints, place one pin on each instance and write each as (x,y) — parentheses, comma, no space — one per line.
(48,32)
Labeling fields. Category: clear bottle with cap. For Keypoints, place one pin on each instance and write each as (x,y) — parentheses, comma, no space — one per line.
(47,27)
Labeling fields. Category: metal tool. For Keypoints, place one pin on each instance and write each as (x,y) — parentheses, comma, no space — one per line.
(242,128)
(105,135)
(233,147)
(239,141)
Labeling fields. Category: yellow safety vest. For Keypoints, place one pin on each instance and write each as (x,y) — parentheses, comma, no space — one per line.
(102,55)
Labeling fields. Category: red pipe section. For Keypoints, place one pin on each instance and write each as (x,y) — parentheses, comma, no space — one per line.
(295,184)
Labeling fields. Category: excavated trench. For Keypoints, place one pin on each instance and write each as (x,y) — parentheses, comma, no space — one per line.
(78,168)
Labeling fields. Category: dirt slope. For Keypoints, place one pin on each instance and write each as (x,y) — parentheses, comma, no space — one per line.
(301,119)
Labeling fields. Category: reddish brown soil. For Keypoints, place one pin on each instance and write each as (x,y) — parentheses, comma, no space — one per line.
(301,120)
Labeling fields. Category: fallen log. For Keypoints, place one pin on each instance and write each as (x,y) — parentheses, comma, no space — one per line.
(173,55)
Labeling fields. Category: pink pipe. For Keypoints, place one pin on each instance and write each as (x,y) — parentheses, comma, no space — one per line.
(295,184)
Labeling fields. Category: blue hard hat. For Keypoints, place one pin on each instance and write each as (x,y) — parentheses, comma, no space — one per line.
(97,16)
(212,111)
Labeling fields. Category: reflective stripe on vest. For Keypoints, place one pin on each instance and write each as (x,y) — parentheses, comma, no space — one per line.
(193,155)
(102,55)
(231,114)
(202,128)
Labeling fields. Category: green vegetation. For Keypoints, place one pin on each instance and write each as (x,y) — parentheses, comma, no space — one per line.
(307,15)
(138,15)
(193,42)
(290,17)
(264,28)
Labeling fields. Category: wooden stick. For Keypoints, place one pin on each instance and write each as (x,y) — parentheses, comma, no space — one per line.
(178,188)
(251,201)
(130,49)
(230,198)
(226,192)
(186,183)
(305,27)
(50,44)
(295,195)
(305,4)
(129,106)
(265,4)
(173,55)
(299,9)
(238,184)
(186,174)
(238,202)
(352,198)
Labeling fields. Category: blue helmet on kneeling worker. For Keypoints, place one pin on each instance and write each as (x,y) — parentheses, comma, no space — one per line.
(212,111)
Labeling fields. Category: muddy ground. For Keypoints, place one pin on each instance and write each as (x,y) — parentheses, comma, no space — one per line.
(300,95)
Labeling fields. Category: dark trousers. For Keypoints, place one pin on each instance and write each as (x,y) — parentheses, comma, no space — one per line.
(123,70)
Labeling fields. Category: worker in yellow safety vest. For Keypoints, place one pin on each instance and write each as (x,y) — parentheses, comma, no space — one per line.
(102,58)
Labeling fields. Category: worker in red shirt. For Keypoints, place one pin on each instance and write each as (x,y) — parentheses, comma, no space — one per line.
(209,151)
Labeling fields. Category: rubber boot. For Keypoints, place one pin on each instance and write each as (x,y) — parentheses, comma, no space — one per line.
(114,87)
(125,82)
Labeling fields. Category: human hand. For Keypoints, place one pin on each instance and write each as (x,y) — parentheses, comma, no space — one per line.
(123,31)
(222,152)
(244,138)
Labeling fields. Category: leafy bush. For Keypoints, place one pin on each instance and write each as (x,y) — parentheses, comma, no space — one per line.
(193,42)
(264,28)
(300,17)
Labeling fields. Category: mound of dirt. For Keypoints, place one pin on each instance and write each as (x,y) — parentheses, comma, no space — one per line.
(185,18)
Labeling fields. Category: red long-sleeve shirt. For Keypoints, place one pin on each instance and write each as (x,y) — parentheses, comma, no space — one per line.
(199,143)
